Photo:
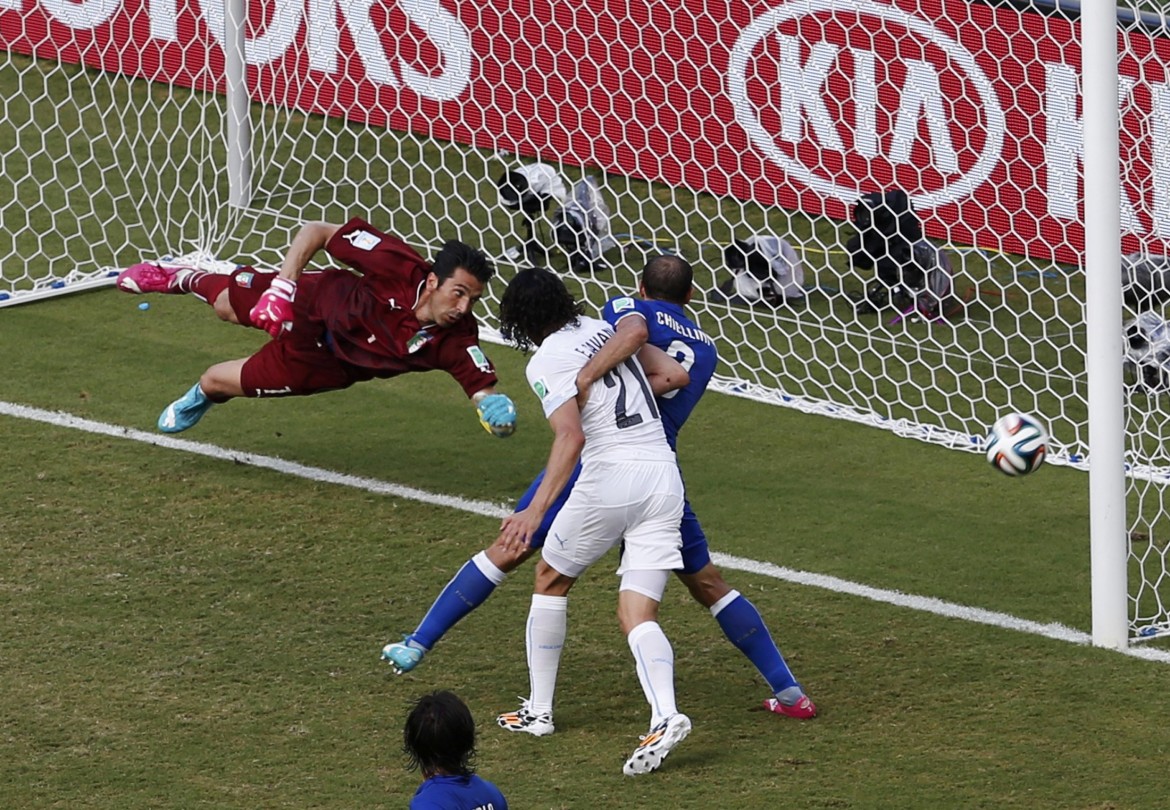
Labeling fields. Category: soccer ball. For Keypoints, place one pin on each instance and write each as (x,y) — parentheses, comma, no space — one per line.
(1017,444)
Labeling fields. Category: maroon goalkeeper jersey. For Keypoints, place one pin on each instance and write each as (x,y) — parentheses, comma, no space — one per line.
(370,318)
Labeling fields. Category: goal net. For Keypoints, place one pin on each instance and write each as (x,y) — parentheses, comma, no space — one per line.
(739,136)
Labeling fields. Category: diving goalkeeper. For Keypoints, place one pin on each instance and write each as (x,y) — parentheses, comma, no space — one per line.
(333,328)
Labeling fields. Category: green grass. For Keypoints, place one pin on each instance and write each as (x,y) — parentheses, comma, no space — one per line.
(187,632)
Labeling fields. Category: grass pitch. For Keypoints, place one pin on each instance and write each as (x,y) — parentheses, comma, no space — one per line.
(182,631)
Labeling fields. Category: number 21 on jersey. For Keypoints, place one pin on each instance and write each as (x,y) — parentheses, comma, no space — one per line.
(635,400)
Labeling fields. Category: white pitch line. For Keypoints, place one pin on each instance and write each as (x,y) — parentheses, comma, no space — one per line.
(925,604)
(66,420)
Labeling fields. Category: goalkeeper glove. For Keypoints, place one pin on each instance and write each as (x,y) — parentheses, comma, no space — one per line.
(497,414)
(274,311)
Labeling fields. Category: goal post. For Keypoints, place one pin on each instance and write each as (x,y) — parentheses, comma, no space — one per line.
(1033,150)
(1102,174)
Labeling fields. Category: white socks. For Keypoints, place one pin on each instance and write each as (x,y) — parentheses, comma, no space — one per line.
(545,637)
(655,661)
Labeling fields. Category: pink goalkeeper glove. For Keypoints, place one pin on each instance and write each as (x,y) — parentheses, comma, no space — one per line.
(274,311)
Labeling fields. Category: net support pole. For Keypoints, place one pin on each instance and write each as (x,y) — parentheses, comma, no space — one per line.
(1107,519)
(239,121)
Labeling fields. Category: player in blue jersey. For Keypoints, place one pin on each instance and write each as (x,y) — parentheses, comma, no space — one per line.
(659,319)
(439,740)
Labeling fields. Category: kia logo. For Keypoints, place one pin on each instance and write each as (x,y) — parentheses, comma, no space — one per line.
(809,101)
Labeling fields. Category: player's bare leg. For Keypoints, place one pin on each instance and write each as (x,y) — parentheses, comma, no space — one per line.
(219,383)
(223,308)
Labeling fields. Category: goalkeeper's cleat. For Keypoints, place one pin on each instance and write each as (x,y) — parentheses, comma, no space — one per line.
(184,411)
(401,656)
(802,709)
(523,719)
(152,277)
(657,744)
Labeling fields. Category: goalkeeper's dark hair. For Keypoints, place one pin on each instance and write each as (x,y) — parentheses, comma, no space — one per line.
(668,278)
(439,736)
(536,304)
(455,254)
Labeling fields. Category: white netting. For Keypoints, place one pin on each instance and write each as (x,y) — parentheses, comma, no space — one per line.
(681,126)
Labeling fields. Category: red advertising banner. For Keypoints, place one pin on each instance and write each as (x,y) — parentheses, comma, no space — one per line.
(973,110)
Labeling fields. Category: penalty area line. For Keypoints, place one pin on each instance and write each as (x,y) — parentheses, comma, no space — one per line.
(925,604)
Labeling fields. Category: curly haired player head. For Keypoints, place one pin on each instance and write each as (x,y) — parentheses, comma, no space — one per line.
(535,304)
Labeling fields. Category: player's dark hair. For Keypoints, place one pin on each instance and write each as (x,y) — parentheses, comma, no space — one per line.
(668,278)
(439,737)
(455,254)
(536,304)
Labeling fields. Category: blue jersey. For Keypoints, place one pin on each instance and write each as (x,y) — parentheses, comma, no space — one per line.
(670,329)
(458,793)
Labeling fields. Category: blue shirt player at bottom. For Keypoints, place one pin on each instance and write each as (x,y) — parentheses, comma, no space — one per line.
(439,740)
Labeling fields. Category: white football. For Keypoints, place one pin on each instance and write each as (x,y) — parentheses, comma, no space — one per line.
(1017,444)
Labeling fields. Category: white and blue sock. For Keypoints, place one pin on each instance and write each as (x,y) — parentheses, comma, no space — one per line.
(466,591)
(544,637)
(654,658)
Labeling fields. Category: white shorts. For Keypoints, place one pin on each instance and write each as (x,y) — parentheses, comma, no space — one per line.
(640,502)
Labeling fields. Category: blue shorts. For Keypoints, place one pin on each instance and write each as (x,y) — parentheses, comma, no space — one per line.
(695,553)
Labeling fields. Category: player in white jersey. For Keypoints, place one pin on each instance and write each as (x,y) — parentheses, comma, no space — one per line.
(629,489)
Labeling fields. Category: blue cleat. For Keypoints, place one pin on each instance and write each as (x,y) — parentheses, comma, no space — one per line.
(184,411)
(401,656)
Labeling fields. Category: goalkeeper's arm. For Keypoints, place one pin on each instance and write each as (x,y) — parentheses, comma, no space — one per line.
(308,241)
(273,312)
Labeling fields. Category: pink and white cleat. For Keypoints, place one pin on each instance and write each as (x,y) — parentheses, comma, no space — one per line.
(802,709)
(152,277)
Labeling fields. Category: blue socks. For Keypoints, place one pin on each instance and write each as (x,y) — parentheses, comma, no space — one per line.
(466,591)
(744,627)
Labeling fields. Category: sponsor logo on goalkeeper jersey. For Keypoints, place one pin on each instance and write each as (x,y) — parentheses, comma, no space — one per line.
(362,240)
(418,341)
(480,359)
(795,76)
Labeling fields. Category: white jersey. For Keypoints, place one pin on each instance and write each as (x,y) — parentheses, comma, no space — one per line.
(620,420)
